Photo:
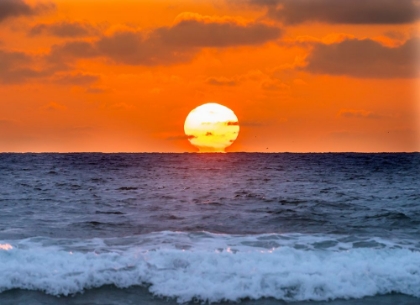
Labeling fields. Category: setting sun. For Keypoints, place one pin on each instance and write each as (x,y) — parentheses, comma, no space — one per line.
(211,127)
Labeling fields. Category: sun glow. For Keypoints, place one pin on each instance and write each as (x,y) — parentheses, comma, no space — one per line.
(211,127)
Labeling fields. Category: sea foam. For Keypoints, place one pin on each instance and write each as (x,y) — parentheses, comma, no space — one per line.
(211,267)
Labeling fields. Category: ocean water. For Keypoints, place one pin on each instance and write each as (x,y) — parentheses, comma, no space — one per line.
(263,229)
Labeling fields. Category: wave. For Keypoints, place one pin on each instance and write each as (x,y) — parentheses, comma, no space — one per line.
(216,267)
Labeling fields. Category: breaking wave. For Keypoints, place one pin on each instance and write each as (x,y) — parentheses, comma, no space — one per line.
(215,267)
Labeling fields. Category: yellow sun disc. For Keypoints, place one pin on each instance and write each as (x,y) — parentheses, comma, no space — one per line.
(211,127)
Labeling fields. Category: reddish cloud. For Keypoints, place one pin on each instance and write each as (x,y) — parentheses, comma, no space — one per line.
(64,29)
(17,8)
(16,67)
(196,33)
(365,59)
(341,12)
(76,79)
(168,45)
(19,67)
(71,50)
(133,48)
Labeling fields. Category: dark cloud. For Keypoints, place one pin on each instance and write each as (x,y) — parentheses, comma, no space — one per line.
(167,45)
(190,137)
(221,81)
(19,67)
(395,35)
(365,59)
(232,123)
(195,33)
(77,79)
(62,57)
(341,12)
(133,48)
(74,49)
(16,8)
(16,67)
(64,29)
(208,134)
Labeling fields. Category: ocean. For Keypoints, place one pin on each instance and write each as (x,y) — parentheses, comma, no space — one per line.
(247,228)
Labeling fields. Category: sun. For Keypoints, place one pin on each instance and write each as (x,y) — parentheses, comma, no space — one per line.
(211,127)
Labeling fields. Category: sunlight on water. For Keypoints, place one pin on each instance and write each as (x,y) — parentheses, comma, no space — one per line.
(6,247)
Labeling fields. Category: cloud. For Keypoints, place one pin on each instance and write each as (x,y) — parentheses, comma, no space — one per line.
(76,79)
(16,8)
(16,67)
(168,45)
(64,29)
(221,81)
(365,59)
(133,48)
(19,67)
(341,12)
(70,50)
(353,113)
(395,35)
(196,33)
(188,16)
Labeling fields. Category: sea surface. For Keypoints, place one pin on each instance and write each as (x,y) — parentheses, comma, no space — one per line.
(247,228)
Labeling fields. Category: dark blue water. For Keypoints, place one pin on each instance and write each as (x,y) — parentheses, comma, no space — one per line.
(209,227)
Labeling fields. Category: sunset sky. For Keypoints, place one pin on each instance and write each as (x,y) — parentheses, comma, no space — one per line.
(122,76)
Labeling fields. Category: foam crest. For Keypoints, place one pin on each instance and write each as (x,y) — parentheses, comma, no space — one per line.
(209,267)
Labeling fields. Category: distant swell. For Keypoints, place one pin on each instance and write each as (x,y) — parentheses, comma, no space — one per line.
(210,267)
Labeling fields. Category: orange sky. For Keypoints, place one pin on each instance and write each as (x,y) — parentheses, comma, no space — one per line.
(121,76)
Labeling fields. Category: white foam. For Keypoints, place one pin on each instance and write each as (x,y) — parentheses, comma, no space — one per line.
(210,267)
